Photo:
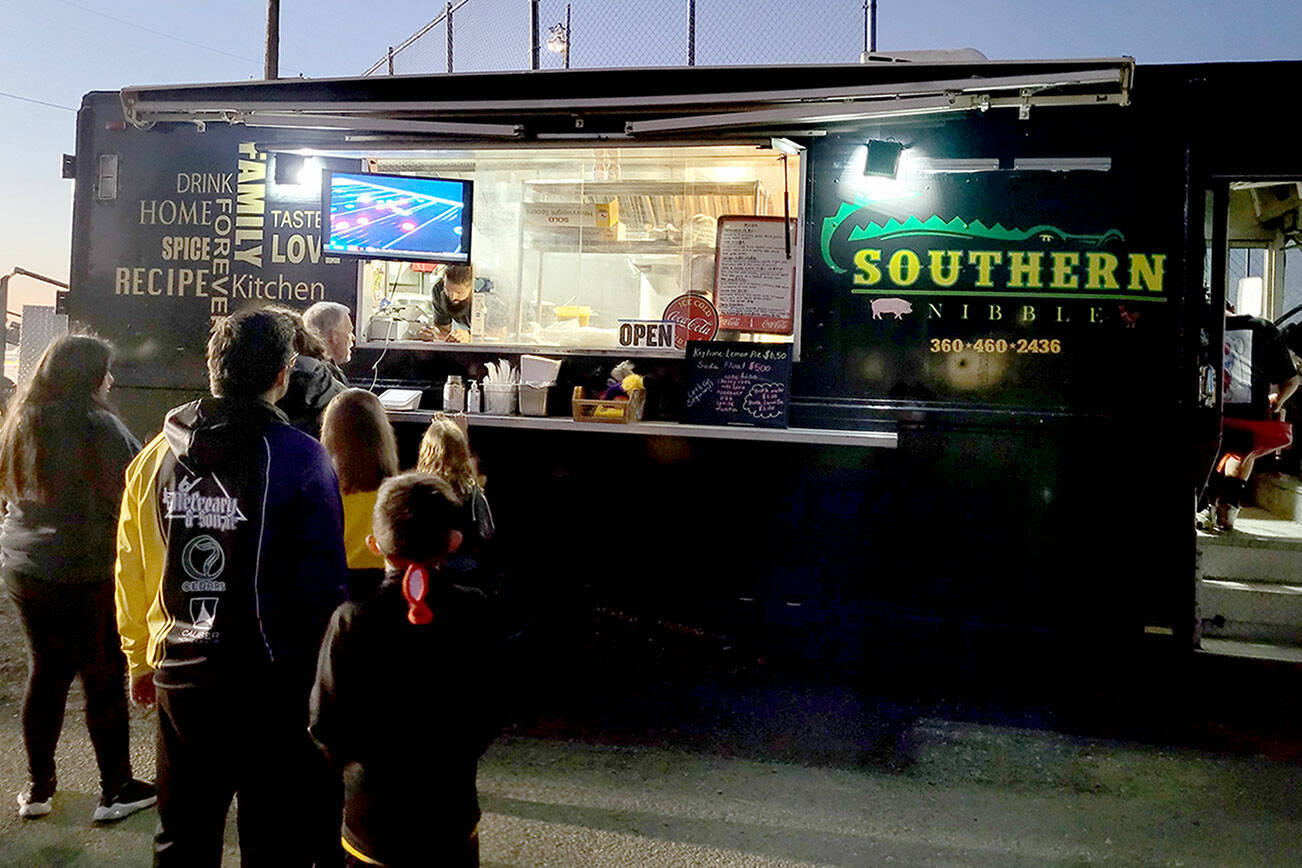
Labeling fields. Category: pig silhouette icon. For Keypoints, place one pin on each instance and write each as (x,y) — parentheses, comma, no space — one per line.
(897,306)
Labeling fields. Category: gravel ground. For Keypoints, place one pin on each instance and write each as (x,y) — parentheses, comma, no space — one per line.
(744,788)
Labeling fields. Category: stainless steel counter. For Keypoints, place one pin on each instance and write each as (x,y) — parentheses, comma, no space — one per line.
(823,436)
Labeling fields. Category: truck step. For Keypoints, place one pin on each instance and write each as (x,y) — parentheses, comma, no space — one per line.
(1250,611)
(1252,650)
(1263,548)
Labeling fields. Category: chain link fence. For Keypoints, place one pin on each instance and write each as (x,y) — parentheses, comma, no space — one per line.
(489,35)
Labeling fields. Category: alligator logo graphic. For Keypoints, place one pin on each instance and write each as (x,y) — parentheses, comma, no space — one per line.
(935,226)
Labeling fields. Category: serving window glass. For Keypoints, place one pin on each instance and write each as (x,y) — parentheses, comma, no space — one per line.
(569,242)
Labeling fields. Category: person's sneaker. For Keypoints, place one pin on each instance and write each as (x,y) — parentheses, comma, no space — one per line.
(132,796)
(1226,515)
(1205,519)
(36,801)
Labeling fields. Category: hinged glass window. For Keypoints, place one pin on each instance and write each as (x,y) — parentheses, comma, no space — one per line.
(571,244)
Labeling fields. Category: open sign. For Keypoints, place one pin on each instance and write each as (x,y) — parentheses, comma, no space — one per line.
(646,333)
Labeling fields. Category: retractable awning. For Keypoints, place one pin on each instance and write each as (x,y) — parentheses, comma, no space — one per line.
(631,104)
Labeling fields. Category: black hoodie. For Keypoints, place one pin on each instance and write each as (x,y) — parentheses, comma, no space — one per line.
(312,383)
(252,529)
(404,712)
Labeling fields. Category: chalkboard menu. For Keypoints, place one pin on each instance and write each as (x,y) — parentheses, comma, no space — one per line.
(730,383)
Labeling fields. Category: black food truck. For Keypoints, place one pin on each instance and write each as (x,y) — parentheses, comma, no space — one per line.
(930,352)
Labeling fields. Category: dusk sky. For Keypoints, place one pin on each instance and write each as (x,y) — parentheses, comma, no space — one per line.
(54,51)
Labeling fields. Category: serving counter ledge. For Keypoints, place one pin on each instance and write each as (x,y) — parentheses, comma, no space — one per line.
(823,436)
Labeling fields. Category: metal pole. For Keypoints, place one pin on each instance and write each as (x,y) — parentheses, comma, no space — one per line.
(272,71)
(390,60)
(533,34)
(872,46)
(691,32)
(4,291)
(449,15)
(569,37)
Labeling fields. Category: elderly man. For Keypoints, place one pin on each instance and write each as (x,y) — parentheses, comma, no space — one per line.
(333,324)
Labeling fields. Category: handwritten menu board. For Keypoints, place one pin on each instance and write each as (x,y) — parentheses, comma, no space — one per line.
(731,383)
(755,274)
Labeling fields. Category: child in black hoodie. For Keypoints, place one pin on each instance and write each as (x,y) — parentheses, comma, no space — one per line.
(403,703)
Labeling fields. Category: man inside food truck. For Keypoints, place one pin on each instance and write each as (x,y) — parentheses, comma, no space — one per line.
(451,305)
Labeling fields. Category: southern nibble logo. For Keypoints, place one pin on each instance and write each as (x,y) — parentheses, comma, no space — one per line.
(938,257)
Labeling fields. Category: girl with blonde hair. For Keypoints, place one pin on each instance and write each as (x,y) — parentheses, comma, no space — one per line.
(445,452)
(362,446)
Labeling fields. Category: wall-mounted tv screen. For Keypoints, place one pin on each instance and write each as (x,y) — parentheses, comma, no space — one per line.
(397,217)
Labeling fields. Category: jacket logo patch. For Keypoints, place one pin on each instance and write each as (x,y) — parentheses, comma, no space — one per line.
(197,510)
(203,560)
(203,611)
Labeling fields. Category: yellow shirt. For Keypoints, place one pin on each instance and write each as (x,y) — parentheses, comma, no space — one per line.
(358,507)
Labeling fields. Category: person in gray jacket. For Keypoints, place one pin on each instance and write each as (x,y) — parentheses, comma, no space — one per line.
(63,455)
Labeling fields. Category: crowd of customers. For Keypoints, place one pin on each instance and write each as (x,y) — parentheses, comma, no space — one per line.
(201,574)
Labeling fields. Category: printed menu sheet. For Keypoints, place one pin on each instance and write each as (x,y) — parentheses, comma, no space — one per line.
(755,274)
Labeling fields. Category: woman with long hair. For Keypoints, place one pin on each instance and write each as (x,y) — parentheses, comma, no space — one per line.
(445,452)
(357,434)
(63,459)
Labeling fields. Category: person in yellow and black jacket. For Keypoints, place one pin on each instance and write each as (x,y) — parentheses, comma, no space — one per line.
(230,561)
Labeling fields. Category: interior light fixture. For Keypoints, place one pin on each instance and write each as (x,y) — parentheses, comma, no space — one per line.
(883,159)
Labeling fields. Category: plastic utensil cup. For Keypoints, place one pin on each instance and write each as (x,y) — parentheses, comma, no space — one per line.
(499,399)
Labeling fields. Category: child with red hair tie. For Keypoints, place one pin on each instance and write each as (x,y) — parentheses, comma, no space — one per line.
(403,703)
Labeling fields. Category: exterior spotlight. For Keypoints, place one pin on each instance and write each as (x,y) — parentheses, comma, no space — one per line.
(310,174)
(296,170)
(883,158)
(288,167)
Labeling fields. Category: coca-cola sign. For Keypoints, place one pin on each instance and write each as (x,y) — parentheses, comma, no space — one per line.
(694,317)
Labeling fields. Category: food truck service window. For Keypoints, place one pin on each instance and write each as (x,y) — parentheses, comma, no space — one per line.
(565,246)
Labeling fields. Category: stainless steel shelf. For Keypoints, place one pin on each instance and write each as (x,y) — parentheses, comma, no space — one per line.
(567,241)
(821,436)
